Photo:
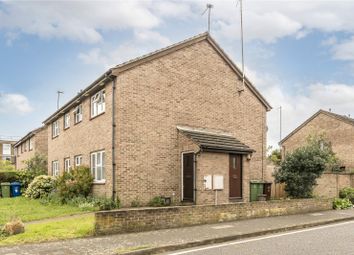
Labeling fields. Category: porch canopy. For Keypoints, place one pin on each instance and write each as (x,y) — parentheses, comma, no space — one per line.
(214,141)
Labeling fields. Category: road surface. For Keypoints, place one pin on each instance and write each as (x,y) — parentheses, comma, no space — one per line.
(329,239)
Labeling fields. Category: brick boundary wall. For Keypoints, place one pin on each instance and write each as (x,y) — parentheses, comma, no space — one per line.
(145,219)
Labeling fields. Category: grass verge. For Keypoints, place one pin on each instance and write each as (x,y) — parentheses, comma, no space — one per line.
(54,230)
(29,209)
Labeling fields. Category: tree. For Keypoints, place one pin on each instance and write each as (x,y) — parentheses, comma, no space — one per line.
(275,157)
(35,166)
(303,166)
(6,166)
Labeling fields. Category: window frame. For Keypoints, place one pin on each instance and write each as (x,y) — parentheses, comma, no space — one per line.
(78,114)
(55,129)
(76,158)
(94,166)
(67,164)
(98,103)
(30,141)
(66,120)
(55,170)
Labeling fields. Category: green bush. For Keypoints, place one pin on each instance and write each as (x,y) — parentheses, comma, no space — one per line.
(7,172)
(35,166)
(40,187)
(8,176)
(347,193)
(157,202)
(77,182)
(135,203)
(94,202)
(342,203)
(303,166)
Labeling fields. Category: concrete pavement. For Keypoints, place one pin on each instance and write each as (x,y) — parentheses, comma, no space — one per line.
(179,238)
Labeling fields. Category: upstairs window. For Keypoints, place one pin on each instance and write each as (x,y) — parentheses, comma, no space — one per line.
(78,160)
(67,165)
(97,166)
(98,104)
(55,168)
(78,114)
(55,128)
(66,120)
(30,144)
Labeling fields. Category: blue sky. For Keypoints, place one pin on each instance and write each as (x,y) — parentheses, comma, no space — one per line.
(299,54)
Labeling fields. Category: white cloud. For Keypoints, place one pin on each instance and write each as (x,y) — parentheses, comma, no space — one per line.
(76,20)
(344,50)
(14,104)
(298,106)
(144,41)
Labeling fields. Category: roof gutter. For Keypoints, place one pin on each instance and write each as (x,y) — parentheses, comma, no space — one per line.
(101,80)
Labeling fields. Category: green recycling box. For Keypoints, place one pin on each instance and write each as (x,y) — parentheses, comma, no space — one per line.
(5,189)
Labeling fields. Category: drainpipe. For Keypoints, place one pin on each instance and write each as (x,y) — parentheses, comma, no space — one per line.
(114,191)
(195,174)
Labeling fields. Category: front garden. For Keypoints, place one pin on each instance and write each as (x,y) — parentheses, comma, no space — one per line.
(50,208)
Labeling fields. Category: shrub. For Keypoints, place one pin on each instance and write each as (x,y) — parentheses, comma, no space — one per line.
(9,176)
(347,193)
(35,166)
(94,202)
(157,202)
(77,182)
(342,203)
(135,203)
(14,227)
(301,168)
(40,187)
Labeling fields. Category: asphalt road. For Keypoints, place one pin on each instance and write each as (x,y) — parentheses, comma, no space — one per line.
(328,239)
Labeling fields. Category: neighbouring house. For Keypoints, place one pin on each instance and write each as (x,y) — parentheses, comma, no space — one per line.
(177,122)
(339,129)
(7,150)
(34,142)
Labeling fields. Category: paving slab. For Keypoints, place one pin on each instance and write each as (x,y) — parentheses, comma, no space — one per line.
(178,238)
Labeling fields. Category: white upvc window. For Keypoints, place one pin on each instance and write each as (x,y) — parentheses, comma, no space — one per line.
(6,149)
(55,168)
(78,114)
(67,165)
(30,144)
(66,120)
(98,104)
(78,160)
(55,128)
(97,166)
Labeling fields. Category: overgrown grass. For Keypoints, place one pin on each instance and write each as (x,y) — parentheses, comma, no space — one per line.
(29,209)
(54,230)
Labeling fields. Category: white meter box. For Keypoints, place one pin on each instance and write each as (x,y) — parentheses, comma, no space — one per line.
(218,182)
(208,185)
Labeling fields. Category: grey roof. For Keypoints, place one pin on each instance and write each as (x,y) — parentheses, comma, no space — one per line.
(216,142)
(28,135)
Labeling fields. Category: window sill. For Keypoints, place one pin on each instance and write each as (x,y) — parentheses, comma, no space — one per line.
(65,128)
(53,137)
(102,182)
(75,123)
(94,117)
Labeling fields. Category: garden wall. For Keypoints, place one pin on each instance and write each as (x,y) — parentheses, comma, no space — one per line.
(145,219)
(330,184)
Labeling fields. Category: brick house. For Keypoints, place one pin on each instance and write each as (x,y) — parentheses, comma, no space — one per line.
(7,150)
(339,129)
(177,122)
(34,142)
